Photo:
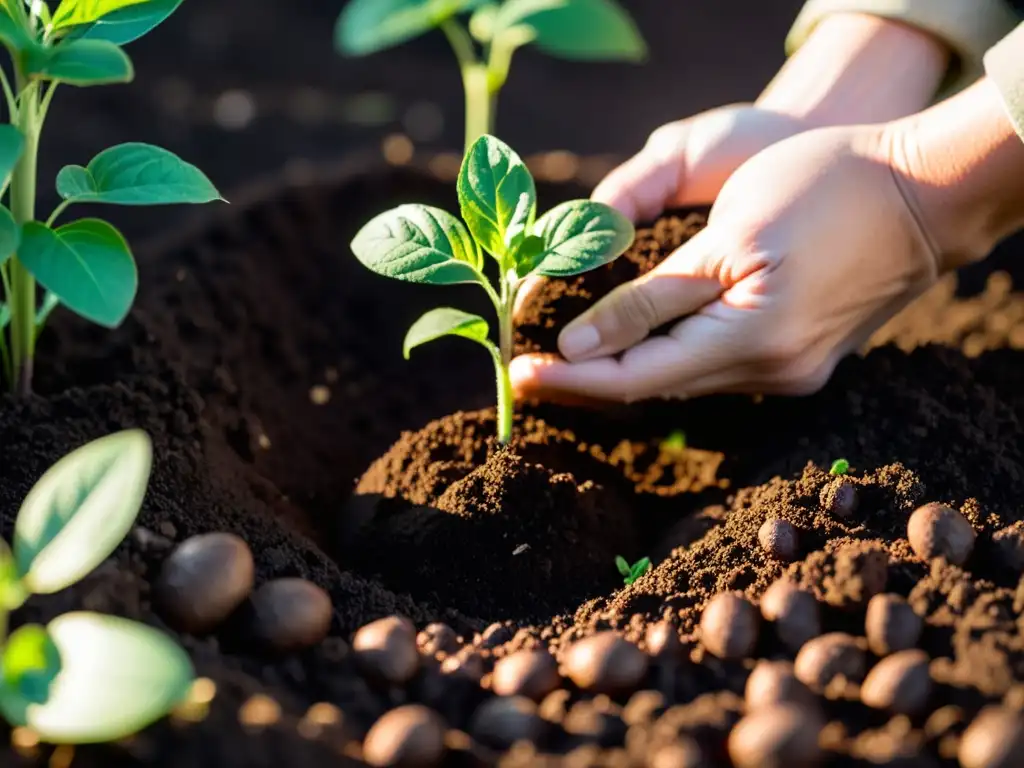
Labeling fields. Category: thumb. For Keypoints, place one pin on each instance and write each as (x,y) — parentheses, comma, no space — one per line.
(648,183)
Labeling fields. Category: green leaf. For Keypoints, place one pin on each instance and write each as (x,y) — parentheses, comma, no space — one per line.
(86,263)
(128,24)
(839,467)
(80,62)
(419,244)
(5,315)
(622,564)
(529,255)
(581,235)
(116,677)
(445,321)
(640,567)
(71,13)
(367,26)
(136,174)
(13,35)
(12,144)
(583,30)
(496,194)
(12,591)
(80,510)
(31,663)
(10,235)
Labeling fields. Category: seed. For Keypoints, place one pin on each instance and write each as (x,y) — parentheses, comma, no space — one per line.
(662,639)
(386,649)
(437,638)
(899,683)
(828,656)
(891,625)
(533,674)
(501,722)
(291,614)
(774,682)
(795,613)
(411,736)
(839,497)
(779,539)
(205,578)
(995,739)
(936,530)
(605,663)
(776,736)
(729,626)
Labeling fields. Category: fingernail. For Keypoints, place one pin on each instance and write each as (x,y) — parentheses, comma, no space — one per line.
(578,340)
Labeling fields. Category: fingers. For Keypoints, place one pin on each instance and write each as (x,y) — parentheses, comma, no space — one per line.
(647,183)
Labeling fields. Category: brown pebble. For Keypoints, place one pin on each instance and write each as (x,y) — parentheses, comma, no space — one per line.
(683,753)
(467,663)
(662,639)
(794,612)
(605,663)
(291,614)
(502,721)
(533,674)
(774,682)
(994,739)
(437,638)
(936,530)
(899,683)
(777,736)
(779,539)
(1009,546)
(411,736)
(729,626)
(839,497)
(644,707)
(386,649)
(496,634)
(891,625)
(203,580)
(828,656)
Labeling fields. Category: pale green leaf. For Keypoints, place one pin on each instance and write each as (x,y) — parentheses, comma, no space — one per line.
(584,30)
(80,62)
(80,510)
(419,244)
(581,235)
(12,143)
(10,235)
(87,264)
(367,26)
(71,13)
(445,321)
(12,591)
(136,174)
(126,25)
(622,564)
(116,677)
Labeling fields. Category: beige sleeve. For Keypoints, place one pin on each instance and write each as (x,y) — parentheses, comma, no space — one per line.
(968,27)
(1004,65)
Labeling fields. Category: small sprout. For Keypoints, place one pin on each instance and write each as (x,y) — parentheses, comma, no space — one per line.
(632,572)
(674,443)
(839,467)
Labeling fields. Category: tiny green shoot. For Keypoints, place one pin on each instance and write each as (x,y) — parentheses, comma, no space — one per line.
(72,520)
(839,467)
(631,573)
(582,30)
(84,265)
(674,443)
(498,201)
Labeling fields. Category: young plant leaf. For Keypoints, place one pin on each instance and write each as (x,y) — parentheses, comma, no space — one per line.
(10,235)
(640,567)
(445,321)
(80,510)
(368,26)
(13,35)
(581,235)
(419,244)
(136,174)
(88,265)
(31,662)
(12,143)
(582,30)
(128,24)
(622,564)
(115,678)
(12,591)
(71,13)
(839,467)
(80,62)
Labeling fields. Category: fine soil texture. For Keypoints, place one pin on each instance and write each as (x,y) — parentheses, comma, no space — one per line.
(476,615)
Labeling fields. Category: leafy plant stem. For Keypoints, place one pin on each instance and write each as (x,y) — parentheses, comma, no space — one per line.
(475,82)
(12,103)
(57,212)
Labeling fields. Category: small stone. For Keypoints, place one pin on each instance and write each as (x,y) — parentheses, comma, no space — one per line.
(776,736)
(1009,546)
(467,663)
(794,613)
(203,581)
(995,739)
(891,625)
(774,682)
(605,663)
(779,539)
(936,530)
(501,722)
(729,626)
(533,674)
(839,497)
(662,639)
(828,656)
(586,722)
(644,707)
(684,753)
(411,736)
(386,649)
(899,683)
(437,638)
(291,614)
(496,634)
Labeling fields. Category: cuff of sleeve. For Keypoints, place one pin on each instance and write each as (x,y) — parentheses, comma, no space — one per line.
(1004,65)
(968,27)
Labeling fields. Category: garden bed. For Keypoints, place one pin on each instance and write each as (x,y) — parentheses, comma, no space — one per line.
(265,363)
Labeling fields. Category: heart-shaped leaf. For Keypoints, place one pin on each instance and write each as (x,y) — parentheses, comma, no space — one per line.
(87,264)
(115,678)
(583,30)
(128,24)
(80,510)
(419,244)
(80,62)
(497,195)
(445,321)
(12,144)
(10,235)
(581,235)
(136,174)
(367,26)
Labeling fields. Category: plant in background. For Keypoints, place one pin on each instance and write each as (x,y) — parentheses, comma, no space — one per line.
(85,264)
(674,443)
(839,467)
(632,572)
(84,677)
(584,30)
(497,196)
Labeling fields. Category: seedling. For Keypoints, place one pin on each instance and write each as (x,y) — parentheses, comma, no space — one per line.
(632,572)
(498,199)
(85,264)
(674,443)
(839,467)
(583,30)
(84,677)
